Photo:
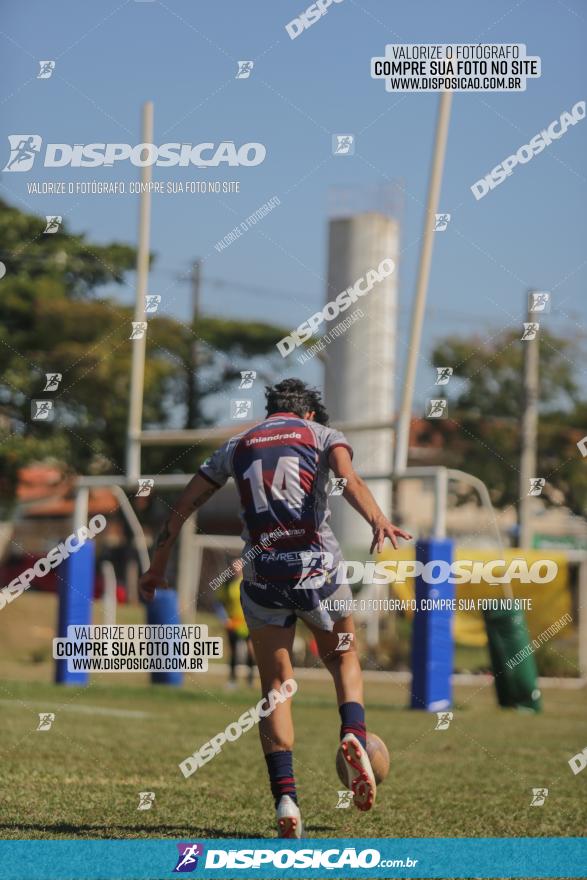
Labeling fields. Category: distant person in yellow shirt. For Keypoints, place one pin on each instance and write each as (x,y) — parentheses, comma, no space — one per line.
(229,609)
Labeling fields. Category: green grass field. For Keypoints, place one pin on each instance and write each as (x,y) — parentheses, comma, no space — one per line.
(81,779)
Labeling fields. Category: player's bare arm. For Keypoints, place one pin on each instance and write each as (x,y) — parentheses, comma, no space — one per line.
(358,494)
(196,493)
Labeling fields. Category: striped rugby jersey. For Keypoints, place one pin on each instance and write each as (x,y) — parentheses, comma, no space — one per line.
(280,468)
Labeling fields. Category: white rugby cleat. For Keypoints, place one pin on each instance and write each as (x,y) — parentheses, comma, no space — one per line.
(360,779)
(289,818)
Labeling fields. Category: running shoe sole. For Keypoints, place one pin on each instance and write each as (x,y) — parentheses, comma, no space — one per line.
(360,777)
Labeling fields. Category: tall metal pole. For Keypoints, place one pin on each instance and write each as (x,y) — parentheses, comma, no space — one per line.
(418,309)
(193,403)
(196,276)
(529,430)
(80,508)
(137,376)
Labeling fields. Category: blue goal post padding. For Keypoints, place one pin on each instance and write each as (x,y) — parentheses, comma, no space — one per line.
(432,635)
(76,589)
(164,610)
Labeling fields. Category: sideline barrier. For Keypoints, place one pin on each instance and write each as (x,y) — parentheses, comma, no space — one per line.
(164,610)
(432,638)
(516,683)
(76,591)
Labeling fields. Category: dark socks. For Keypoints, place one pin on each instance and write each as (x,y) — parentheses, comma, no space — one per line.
(281,778)
(352,716)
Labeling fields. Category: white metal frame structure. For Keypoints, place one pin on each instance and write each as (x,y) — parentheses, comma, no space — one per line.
(191,546)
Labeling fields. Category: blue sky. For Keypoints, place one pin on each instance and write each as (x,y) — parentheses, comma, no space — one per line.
(111,56)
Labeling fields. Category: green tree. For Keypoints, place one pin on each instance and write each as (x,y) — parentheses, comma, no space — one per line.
(482,434)
(55,317)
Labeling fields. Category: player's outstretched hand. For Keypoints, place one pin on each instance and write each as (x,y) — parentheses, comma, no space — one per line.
(149,582)
(384,529)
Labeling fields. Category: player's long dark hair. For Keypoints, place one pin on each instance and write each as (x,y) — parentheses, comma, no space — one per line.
(293,395)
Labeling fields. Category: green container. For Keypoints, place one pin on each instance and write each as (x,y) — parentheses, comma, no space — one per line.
(512,659)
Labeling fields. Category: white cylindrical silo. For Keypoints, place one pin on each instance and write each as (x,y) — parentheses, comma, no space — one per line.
(360,362)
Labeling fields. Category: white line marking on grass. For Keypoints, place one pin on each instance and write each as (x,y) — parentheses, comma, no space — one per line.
(82,710)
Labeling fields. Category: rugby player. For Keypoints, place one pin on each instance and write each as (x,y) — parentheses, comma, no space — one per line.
(281,468)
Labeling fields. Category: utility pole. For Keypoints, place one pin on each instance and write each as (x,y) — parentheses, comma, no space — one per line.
(188,556)
(419,306)
(196,277)
(193,403)
(139,343)
(529,427)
